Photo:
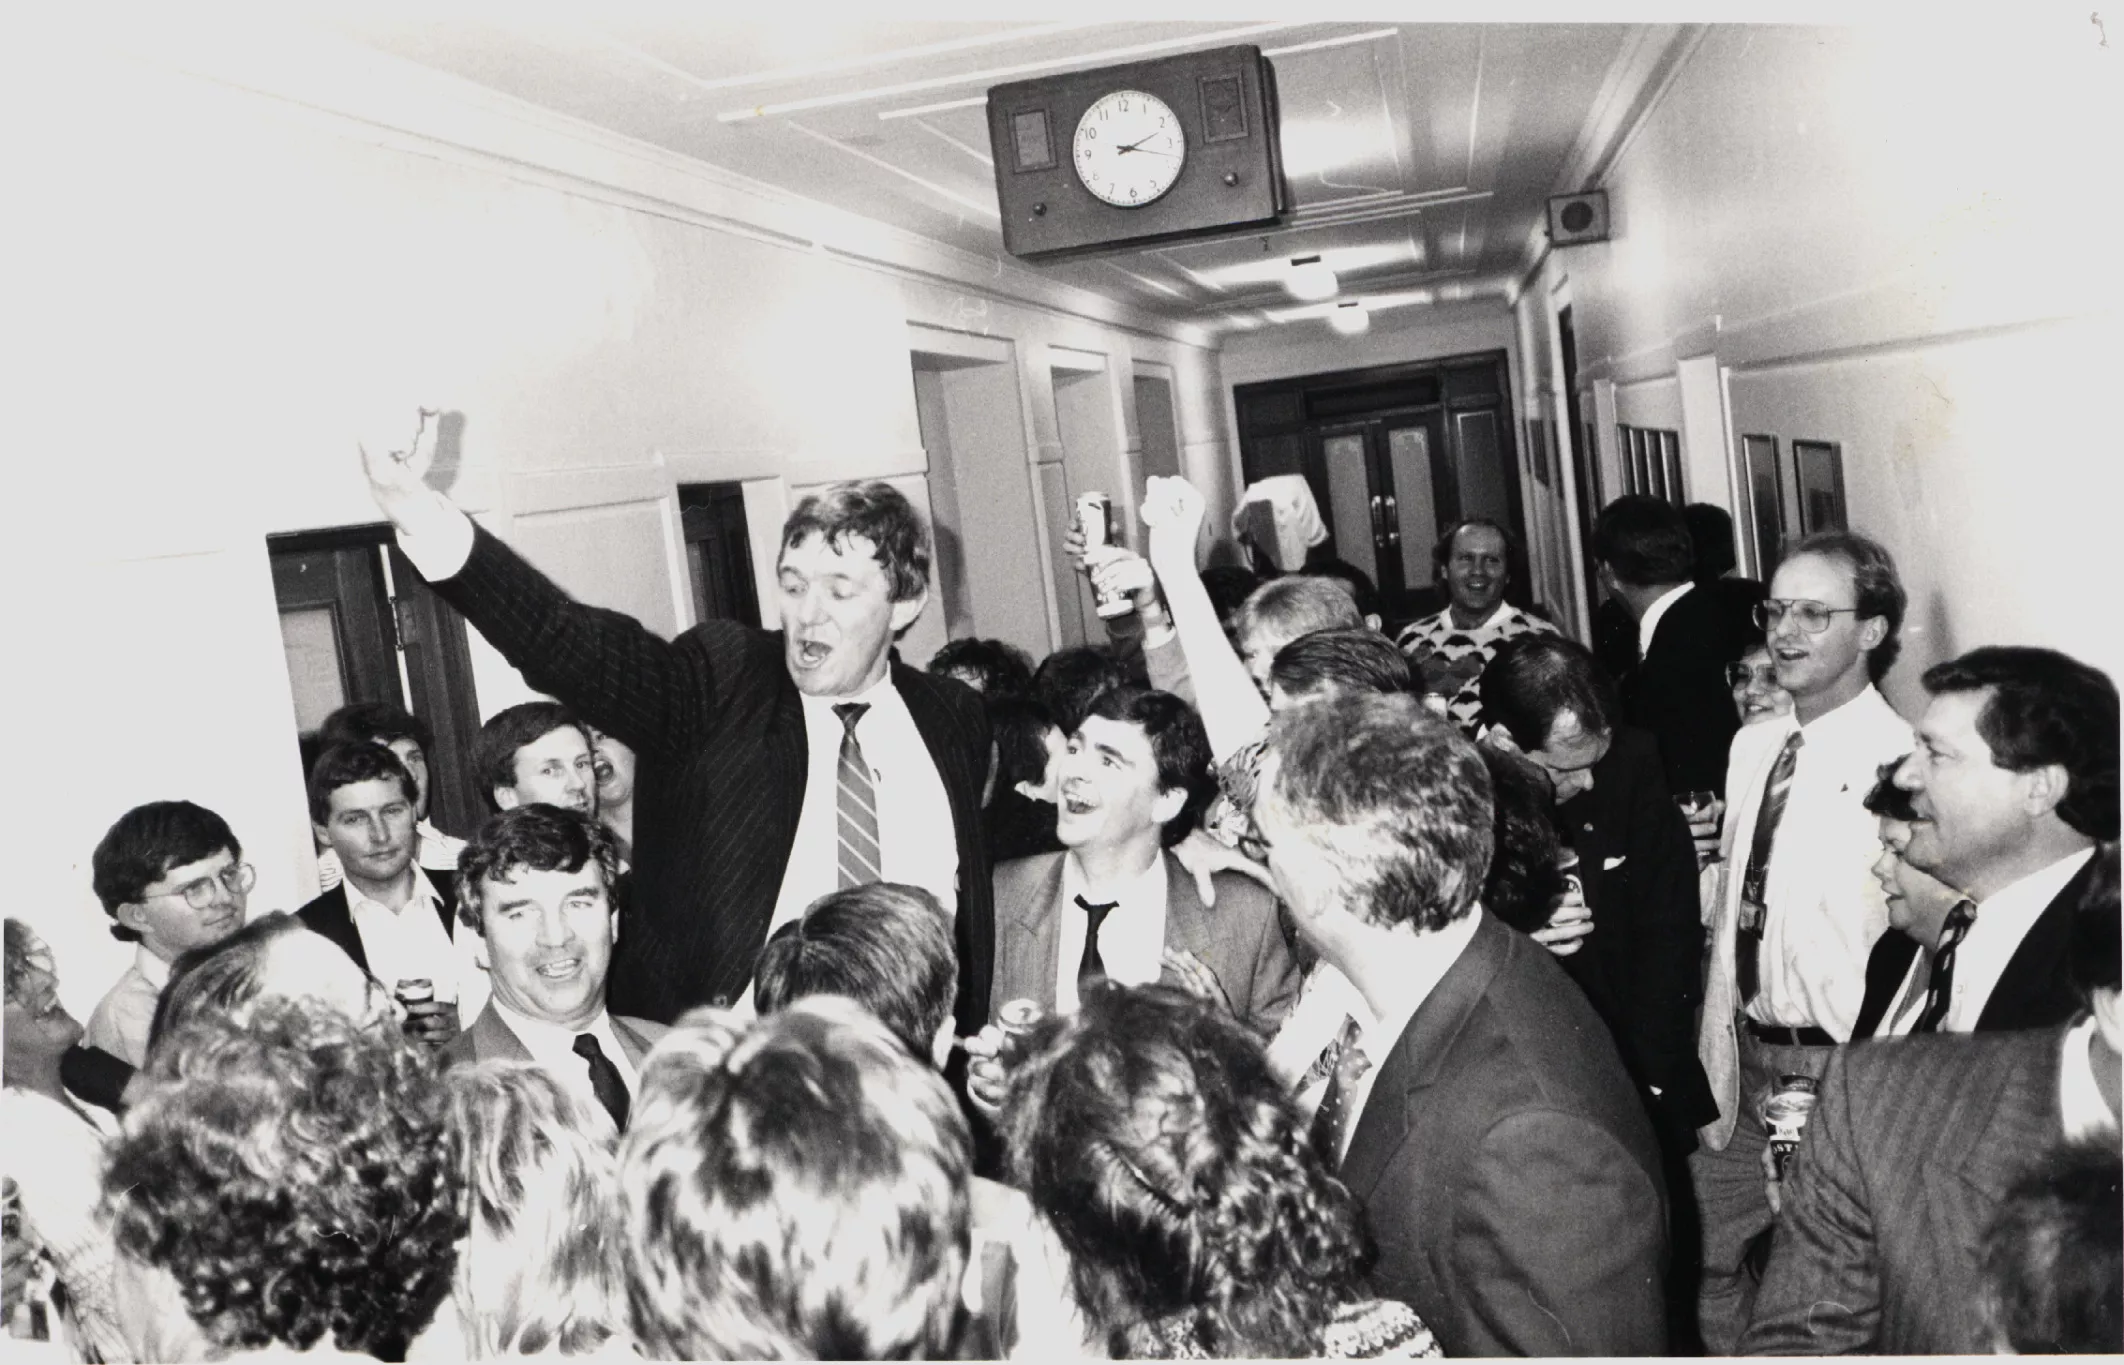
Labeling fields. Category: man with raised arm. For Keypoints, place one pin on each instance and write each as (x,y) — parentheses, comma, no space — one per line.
(774,767)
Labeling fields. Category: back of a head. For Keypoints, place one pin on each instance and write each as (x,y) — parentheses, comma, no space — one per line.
(2046,708)
(1398,798)
(539,1271)
(224,978)
(1068,681)
(793,1189)
(994,668)
(507,731)
(1533,679)
(1523,881)
(1228,586)
(1345,659)
(1644,541)
(1283,609)
(1711,535)
(373,722)
(146,842)
(289,1174)
(2051,1265)
(1150,1130)
(885,946)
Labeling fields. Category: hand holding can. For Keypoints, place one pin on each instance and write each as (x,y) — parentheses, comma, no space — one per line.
(1095,522)
(427,1020)
(1784,1112)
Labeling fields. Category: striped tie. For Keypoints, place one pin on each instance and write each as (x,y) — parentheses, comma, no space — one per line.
(1749,945)
(860,859)
(1939,992)
(1331,1122)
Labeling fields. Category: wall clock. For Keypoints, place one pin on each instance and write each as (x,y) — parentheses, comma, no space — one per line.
(1184,146)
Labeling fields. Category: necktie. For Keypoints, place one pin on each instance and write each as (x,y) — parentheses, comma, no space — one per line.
(1748,949)
(605,1079)
(1332,1120)
(1091,965)
(1939,993)
(860,859)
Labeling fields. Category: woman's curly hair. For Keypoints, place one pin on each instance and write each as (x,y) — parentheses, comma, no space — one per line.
(292,1176)
(1151,1132)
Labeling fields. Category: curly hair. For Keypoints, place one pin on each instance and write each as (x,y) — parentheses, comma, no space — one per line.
(1150,1131)
(291,1176)
(540,1266)
(878,513)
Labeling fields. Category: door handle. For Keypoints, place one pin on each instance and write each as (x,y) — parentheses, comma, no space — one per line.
(1378,522)
(1393,520)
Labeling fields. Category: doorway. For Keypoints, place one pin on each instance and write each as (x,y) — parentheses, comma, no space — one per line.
(718,552)
(357,624)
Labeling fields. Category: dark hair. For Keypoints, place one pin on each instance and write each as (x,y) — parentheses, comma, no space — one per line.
(1886,799)
(1877,589)
(880,514)
(2045,708)
(1398,799)
(1442,548)
(1150,1131)
(885,946)
(374,722)
(540,837)
(1523,882)
(145,843)
(1361,588)
(219,978)
(1644,541)
(343,765)
(291,1174)
(494,758)
(994,668)
(1294,605)
(1533,679)
(1019,726)
(2051,1265)
(1068,681)
(1711,534)
(1228,585)
(1347,658)
(1178,743)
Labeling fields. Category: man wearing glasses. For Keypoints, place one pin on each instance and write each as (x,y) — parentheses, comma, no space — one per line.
(1796,908)
(171,876)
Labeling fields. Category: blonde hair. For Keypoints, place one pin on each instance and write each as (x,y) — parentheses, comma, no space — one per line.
(539,1269)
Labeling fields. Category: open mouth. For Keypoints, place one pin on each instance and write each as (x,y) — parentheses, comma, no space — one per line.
(1074,803)
(810,653)
(566,969)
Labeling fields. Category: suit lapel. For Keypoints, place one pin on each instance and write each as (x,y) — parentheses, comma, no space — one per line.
(1029,920)
(2031,992)
(494,1040)
(335,920)
(445,885)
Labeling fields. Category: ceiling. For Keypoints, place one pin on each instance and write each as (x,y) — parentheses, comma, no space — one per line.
(1418,155)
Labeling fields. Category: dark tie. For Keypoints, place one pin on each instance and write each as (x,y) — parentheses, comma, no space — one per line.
(1748,949)
(1091,965)
(860,859)
(1939,992)
(1332,1120)
(604,1078)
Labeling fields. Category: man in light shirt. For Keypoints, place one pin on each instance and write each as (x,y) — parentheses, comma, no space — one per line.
(536,890)
(2013,781)
(395,918)
(1795,907)
(171,876)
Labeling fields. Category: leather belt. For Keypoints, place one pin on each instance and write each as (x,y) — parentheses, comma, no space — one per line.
(1782,1036)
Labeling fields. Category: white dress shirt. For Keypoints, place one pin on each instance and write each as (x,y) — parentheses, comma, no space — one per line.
(2087,1115)
(1382,1034)
(1824,908)
(1131,938)
(553,1048)
(122,1020)
(1650,623)
(2002,920)
(412,943)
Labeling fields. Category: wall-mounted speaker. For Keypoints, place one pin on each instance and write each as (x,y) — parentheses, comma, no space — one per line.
(1576,218)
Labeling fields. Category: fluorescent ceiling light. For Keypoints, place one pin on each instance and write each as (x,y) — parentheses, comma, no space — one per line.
(1310,279)
(1342,260)
(1350,319)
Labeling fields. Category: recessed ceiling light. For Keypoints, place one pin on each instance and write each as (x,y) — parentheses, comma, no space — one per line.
(1350,319)
(1310,279)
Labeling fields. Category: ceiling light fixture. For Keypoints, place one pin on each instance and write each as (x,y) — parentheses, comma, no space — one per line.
(1350,319)
(1309,279)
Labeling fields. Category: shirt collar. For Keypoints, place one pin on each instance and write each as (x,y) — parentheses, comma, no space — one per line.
(424,894)
(1147,887)
(540,1035)
(2032,894)
(879,693)
(1847,721)
(2080,1101)
(152,969)
(1658,609)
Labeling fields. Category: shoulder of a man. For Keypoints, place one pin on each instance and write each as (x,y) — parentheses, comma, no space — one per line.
(123,1017)
(647,1030)
(1019,875)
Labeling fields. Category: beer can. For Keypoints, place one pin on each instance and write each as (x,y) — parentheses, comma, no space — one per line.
(414,990)
(1095,517)
(1017,1019)
(1785,1111)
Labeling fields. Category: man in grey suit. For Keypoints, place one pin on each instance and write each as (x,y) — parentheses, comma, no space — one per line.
(535,885)
(1114,904)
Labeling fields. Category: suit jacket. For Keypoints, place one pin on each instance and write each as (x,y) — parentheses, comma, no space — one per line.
(1679,691)
(1240,940)
(1908,1154)
(1886,966)
(718,732)
(1508,1171)
(331,915)
(1642,967)
(490,1039)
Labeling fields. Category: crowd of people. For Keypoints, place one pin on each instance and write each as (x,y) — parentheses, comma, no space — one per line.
(1267,979)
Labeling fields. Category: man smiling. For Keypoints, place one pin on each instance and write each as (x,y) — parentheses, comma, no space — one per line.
(774,767)
(537,891)
(1452,647)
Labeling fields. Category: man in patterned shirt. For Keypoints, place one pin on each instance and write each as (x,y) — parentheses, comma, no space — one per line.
(1451,648)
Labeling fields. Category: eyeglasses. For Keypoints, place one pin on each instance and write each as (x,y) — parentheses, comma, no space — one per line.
(235,879)
(1744,675)
(1813,617)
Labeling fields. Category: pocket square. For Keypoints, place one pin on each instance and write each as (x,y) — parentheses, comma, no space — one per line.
(1610,864)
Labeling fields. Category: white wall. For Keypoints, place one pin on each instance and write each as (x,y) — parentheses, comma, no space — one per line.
(1879,234)
(245,247)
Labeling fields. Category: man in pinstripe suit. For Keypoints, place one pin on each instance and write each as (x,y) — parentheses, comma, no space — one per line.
(773,767)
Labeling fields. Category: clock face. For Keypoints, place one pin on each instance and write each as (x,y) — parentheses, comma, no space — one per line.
(1129,148)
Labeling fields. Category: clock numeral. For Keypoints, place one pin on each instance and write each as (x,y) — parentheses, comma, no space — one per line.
(1132,194)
